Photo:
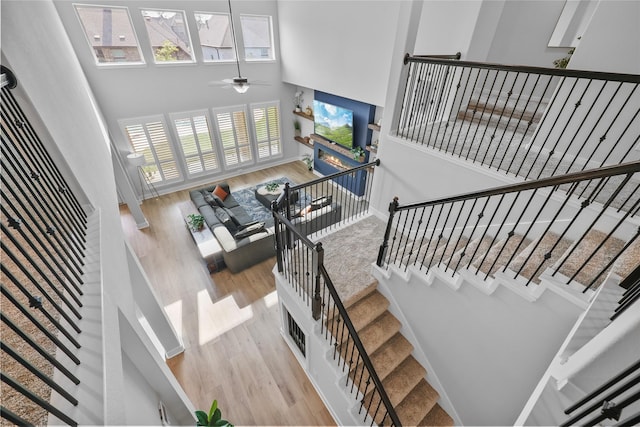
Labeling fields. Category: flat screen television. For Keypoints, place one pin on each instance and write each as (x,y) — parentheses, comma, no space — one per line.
(333,123)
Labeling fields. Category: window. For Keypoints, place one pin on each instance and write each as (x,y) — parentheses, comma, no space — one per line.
(266,125)
(194,137)
(258,37)
(110,34)
(234,135)
(216,41)
(169,36)
(149,137)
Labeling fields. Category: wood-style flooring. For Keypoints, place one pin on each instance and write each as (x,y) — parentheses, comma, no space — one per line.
(229,322)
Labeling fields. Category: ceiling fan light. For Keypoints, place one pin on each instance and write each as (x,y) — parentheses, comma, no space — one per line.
(241,87)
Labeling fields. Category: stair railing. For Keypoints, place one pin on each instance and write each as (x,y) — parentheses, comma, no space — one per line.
(43,247)
(301,262)
(532,122)
(602,407)
(521,229)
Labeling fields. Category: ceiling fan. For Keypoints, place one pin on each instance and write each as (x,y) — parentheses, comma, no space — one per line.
(239,83)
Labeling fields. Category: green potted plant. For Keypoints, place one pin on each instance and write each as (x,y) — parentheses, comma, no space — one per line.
(213,418)
(195,222)
(358,153)
(272,186)
(297,127)
(308,159)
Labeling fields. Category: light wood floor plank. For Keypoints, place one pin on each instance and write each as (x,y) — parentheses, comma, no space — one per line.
(229,322)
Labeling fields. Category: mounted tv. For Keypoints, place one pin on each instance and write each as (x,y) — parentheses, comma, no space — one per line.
(333,123)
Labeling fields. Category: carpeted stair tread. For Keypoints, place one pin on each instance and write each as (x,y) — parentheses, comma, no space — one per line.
(436,417)
(581,254)
(367,309)
(398,384)
(417,404)
(357,296)
(384,360)
(628,260)
(537,249)
(500,254)
(375,334)
(444,252)
(474,250)
(425,252)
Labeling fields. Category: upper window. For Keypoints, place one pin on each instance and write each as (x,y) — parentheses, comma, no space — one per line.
(110,34)
(169,36)
(266,125)
(216,41)
(234,136)
(258,37)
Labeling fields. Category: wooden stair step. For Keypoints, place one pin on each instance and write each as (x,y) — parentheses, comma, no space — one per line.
(583,251)
(538,249)
(436,417)
(417,404)
(384,360)
(375,334)
(474,250)
(397,385)
(500,254)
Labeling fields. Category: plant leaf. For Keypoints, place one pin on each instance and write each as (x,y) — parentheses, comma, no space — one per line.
(202,418)
(223,423)
(214,407)
(217,415)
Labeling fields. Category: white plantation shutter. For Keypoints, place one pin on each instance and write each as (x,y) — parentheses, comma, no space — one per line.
(266,125)
(149,137)
(232,128)
(194,137)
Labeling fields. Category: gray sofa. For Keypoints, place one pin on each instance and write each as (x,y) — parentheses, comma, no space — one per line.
(241,253)
(238,254)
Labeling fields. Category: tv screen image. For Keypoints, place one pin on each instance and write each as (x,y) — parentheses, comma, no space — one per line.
(333,123)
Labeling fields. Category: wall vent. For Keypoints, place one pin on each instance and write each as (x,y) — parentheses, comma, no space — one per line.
(296,334)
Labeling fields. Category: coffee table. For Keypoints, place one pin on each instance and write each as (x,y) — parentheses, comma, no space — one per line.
(266,197)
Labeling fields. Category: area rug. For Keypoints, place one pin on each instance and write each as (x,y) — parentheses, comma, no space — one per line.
(247,199)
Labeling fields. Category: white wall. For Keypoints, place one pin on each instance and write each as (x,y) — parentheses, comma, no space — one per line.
(339,47)
(488,352)
(446,27)
(611,41)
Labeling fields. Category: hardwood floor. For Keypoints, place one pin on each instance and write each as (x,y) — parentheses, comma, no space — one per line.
(229,322)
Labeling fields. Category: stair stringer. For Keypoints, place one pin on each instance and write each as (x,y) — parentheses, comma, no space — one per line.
(446,316)
(418,354)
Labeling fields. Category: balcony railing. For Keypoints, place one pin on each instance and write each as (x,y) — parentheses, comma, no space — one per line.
(43,246)
(527,121)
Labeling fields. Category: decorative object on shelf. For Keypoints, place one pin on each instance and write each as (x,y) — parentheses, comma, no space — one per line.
(308,111)
(297,100)
(297,127)
(308,140)
(308,159)
(213,418)
(195,222)
(240,84)
(272,186)
(358,153)
(379,121)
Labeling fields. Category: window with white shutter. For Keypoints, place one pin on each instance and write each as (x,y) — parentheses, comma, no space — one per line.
(266,125)
(231,125)
(149,137)
(196,141)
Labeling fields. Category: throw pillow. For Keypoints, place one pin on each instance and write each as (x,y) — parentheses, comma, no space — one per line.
(226,219)
(220,192)
(213,201)
(249,230)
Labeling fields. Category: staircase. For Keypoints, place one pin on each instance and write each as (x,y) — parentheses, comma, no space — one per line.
(403,377)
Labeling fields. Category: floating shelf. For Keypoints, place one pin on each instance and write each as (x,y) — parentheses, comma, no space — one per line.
(302,141)
(374,126)
(304,115)
(335,147)
(371,149)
